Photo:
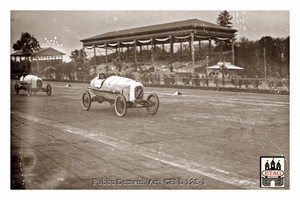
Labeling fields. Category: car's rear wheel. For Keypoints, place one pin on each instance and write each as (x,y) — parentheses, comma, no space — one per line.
(154,101)
(48,90)
(86,100)
(120,105)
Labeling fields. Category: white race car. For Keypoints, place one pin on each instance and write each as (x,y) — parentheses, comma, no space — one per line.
(32,84)
(121,92)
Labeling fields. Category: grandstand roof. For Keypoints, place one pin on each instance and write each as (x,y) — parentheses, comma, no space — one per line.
(48,51)
(177,28)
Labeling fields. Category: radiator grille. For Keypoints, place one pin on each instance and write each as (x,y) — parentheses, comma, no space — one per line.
(139,92)
(39,83)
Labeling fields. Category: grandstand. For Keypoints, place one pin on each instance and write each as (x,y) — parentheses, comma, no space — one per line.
(185,45)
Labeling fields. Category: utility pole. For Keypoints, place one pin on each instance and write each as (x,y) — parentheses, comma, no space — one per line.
(95,62)
(232,49)
(223,68)
(223,63)
(265,62)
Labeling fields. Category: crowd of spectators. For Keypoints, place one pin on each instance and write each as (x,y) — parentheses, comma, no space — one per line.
(186,79)
(194,79)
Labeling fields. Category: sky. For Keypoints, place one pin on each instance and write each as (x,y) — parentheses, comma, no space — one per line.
(63,29)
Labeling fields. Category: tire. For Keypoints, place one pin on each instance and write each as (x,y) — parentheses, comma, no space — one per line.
(48,89)
(17,89)
(86,100)
(154,101)
(120,105)
(29,90)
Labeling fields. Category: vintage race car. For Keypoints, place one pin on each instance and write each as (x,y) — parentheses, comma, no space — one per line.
(121,92)
(32,84)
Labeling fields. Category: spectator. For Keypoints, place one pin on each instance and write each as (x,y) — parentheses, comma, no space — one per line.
(172,79)
(207,81)
(166,79)
(270,82)
(288,82)
(235,80)
(184,80)
(202,80)
(279,84)
(240,81)
(232,80)
(217,81)
(196,79)
(158,78)
(189,79)
(256,82)
(246,82)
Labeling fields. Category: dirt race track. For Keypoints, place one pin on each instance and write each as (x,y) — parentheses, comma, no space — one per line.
(198,140)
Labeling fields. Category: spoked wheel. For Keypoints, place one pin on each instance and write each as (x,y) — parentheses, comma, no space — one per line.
(17,89)
(86,100)
(29,90)
(48,90)
(154,101)
(120,105)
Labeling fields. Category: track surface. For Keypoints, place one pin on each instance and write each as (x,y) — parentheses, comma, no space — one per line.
(201,139)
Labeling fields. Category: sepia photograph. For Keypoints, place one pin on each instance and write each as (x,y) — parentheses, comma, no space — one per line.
(149,99)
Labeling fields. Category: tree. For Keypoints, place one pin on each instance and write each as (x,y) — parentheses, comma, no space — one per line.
(252,56)
(79,57)
(27,44)
(224,19)
(276,55)
(248,55)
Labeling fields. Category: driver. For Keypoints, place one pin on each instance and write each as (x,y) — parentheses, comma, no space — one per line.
(100,80)
(23,76)
(102,76)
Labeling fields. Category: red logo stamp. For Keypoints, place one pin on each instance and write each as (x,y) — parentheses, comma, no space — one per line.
(272,171)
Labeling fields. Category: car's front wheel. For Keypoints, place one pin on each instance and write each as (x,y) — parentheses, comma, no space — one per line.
(17,89)
(120,105)
(153,100)
(29,90)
